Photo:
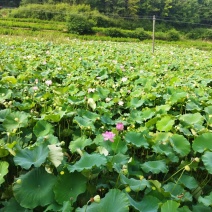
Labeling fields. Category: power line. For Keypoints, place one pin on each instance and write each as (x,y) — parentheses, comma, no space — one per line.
(164,19)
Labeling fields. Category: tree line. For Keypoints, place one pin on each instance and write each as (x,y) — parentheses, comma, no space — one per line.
(193,11)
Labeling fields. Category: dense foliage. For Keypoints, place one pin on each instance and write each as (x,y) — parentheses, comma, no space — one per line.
(104,126)
(198,11)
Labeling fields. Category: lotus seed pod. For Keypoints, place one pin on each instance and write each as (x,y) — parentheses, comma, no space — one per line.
(62,143)
(97,199)
(14,130)
(187,168)
(128,189)
(125,171)
(18,181)
(197,159)
(141,177)
(62,173)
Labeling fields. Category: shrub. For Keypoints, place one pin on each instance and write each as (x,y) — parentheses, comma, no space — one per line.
(44,12)
(114,32)
(101,20)
(141,34)
(173,35)
(195,33)
(160,36)
(78,24)
(207,34)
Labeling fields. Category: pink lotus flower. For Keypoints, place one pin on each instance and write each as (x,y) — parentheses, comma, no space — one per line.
(120,126)
(108,136)
(35,88)
(48,82)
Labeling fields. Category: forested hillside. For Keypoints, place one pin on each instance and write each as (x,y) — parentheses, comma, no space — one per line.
(195,11)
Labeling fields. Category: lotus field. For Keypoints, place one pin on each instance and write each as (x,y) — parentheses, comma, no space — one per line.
(91,126)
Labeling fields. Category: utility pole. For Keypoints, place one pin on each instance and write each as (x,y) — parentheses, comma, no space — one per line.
(153,35)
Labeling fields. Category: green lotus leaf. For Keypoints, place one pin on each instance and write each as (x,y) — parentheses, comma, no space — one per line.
(67,207)
(178,189)
(119,159)
(15,120)
(136,139)
(61,90)
(35,188)
(103,93)
(118,146)
(28,157)
(135,102)
(87,162)
(163,108)
(114,201)
(43,128)
(48,139)
(178,96)
(24,105)
(183,209)
(3,170)
(207,158)
(188,181)
(170,205)
(136,116)
(148,204)
(135,185)
(192,106)
(207,200)
(3,114)
(84,122)
(3,152)
(87,114)
(192,118)
(5,94)
(79,143)
(55,154)
(202,143)
(12,205)
(165,149)
(53,117)
(208,116)
(147,114)
(106,119)
(9,79)
(180,144)
(75,100)
(69,186)
(208,110)
(200,207)
(155,166)
(165,124)
(54,207)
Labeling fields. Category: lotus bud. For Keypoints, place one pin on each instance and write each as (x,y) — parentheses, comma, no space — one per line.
(91,103)
(80,152)
(97,199)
